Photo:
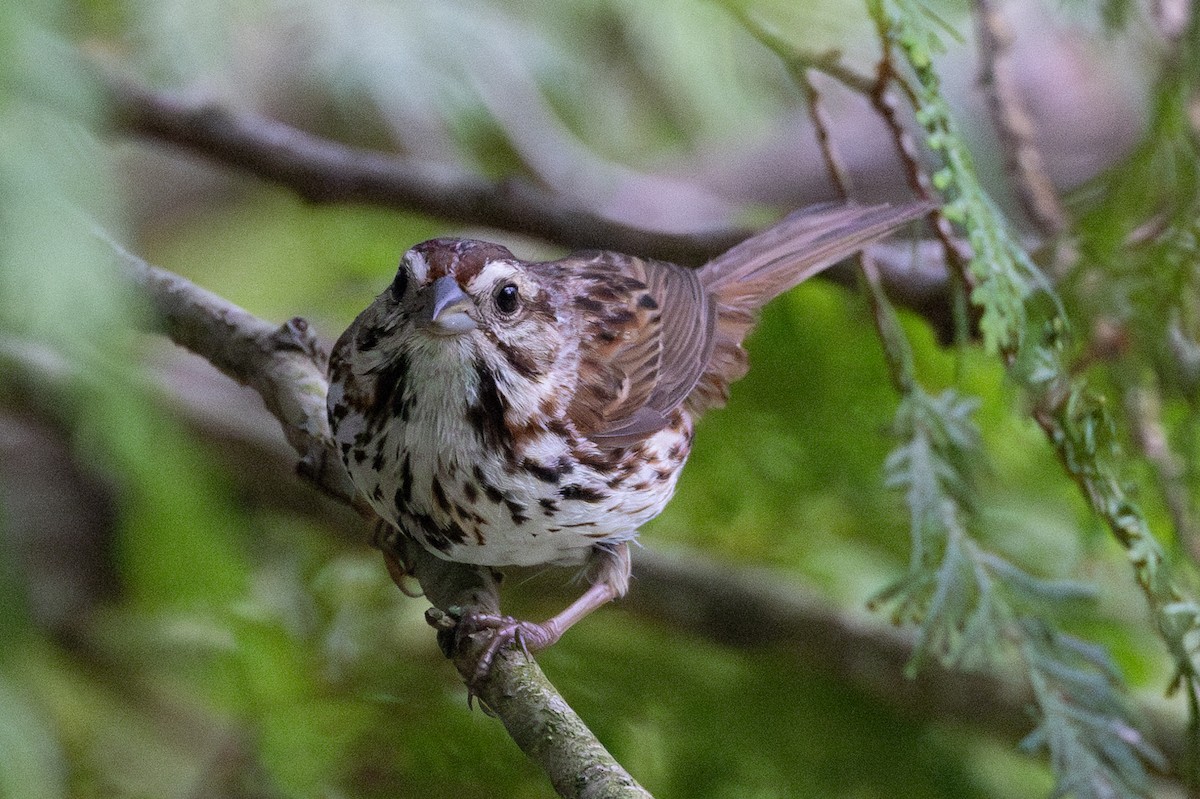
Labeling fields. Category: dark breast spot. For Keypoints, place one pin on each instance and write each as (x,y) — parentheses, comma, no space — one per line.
(406,480)
(603,460)
(440,536)
(469,516)
(486,416)
(391,385)
(581,493)
(517,511)
(439,495)
(547,474)
(493,493)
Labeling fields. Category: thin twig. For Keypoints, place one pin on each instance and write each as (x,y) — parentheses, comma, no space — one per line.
(797,59)
(897,353)
(835,166)
(1144,408)
(1014,127)
(286,366)
(957,252)
(800,63)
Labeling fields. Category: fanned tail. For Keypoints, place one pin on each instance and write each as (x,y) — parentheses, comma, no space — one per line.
(748,276)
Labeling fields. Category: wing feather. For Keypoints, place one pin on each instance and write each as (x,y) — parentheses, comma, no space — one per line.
(648,333)
(656,335)
(746,277)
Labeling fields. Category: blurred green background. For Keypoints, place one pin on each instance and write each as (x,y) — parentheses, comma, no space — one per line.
(181,617)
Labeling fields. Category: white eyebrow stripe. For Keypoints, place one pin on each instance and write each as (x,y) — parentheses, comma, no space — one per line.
(493,272)
(418,265)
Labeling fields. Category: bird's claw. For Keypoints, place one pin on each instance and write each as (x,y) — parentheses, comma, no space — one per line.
(500,631)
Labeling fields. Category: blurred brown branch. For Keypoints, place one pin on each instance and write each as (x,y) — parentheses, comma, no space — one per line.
(324,171)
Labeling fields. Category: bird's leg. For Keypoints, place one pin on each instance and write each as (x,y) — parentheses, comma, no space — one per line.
(608,569)
(386,538)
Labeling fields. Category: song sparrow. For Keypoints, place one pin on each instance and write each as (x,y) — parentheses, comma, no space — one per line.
(502,412)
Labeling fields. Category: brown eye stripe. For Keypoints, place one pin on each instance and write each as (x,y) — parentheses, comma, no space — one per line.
(520,360)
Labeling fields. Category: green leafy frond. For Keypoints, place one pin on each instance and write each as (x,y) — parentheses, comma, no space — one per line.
(1095,753)
(968,603)
(1002,275)
(1140,222)
(1073,414)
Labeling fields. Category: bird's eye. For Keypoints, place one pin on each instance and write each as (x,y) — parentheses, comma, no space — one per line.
(507,298)
(400,284)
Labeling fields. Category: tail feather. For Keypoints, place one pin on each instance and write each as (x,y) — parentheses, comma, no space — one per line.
(796,248)
(746,277)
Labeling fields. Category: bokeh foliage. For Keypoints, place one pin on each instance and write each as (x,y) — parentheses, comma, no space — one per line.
(252,651)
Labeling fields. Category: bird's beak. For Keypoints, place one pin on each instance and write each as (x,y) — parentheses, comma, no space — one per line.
(445,310)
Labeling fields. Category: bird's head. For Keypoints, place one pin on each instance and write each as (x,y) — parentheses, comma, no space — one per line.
(460,305)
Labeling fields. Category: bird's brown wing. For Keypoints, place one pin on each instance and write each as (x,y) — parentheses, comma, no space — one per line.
(647,334)
(655,334)
(748,276)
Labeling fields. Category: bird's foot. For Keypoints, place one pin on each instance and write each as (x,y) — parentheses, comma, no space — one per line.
(494,632)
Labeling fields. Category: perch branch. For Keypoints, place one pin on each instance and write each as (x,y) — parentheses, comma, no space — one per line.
(286,366)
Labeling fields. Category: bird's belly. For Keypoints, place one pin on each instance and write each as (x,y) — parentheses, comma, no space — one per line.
(529,505)
(533,522)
